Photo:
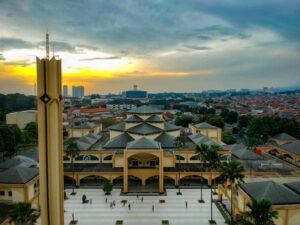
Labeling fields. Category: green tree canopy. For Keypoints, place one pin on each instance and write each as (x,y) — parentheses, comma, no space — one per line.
(228,138)
(184,120)
(23,214)
(31,131)
(260,213)
(215,120)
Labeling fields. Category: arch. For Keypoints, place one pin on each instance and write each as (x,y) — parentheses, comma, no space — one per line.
(69,181)
(195,157)
(179,157)
(86,158)
(193,180)
(118,181)
(169,181)
(152,181)
(93,180)
(288,157)
(133,180)
(107,158)
(273,152)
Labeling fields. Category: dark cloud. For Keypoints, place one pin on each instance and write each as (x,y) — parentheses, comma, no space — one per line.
(13,43)
(18,63)
(198,47)
(101,58)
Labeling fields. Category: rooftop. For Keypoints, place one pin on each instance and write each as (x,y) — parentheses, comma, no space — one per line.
(271,191)
(18,175)
(144,109)
(143,143)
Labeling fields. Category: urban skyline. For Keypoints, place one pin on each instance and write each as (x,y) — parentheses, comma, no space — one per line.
(188,46)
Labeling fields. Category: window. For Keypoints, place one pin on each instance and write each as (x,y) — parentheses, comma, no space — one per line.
(9,193)
(2,193)
(135,163)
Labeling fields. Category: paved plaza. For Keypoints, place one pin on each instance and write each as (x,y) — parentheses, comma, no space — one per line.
(174,208)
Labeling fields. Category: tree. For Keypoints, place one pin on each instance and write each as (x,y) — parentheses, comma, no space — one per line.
(179,143)
(244,121)
(31,131)
(72,151)
(229,116)
(184,120)
(232,172)
(260,213)
(228,138)
(107,187)
(215,120)
(17,134)
(8,138)
(211,160)
(201,150)
(23,214)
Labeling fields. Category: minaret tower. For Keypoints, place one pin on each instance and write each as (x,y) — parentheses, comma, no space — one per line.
(49,102)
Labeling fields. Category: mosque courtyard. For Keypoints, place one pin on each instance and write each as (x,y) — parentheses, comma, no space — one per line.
(177,209)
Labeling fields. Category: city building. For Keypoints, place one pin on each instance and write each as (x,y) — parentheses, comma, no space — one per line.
(21,118)
(139,153)
(135,94)
(77,91)
(85,128)
(121,106)
(65,90)
(208,130)
(284,199)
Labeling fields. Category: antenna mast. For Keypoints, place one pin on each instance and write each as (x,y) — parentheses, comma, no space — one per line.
(47,45)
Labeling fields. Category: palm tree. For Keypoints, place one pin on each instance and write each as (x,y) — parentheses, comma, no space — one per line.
(72,151)
(23,214)
(201,149)
(232,172)
(179,144)
(211,160)
(260,213)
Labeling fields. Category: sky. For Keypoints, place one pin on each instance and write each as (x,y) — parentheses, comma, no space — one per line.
(160,45)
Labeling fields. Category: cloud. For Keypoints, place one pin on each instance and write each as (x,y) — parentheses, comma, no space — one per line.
(14,43)
(198,47)
(101,58)
(1,57)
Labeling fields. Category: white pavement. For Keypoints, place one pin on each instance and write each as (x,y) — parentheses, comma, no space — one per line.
(100,213)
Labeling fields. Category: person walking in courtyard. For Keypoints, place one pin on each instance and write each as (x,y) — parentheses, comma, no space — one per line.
(186,204)
(114,203)
(152,208)
(142,199)
(129,207)
(105,200)
(137,197)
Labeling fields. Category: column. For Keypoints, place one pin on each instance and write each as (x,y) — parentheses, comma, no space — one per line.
(125,176)
(161,173)
(49,102)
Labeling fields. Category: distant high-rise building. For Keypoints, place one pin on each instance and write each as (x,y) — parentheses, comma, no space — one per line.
(65,90)
(135,94)
(78,91)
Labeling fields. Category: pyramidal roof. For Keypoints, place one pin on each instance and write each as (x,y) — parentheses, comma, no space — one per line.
(119,141)
(144,109)
(204,125)
(285,136)
(155,119)
(144,128)
(134,118)
(18,160)
(18,175)
(273,192)
(143,143)
(166,140)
